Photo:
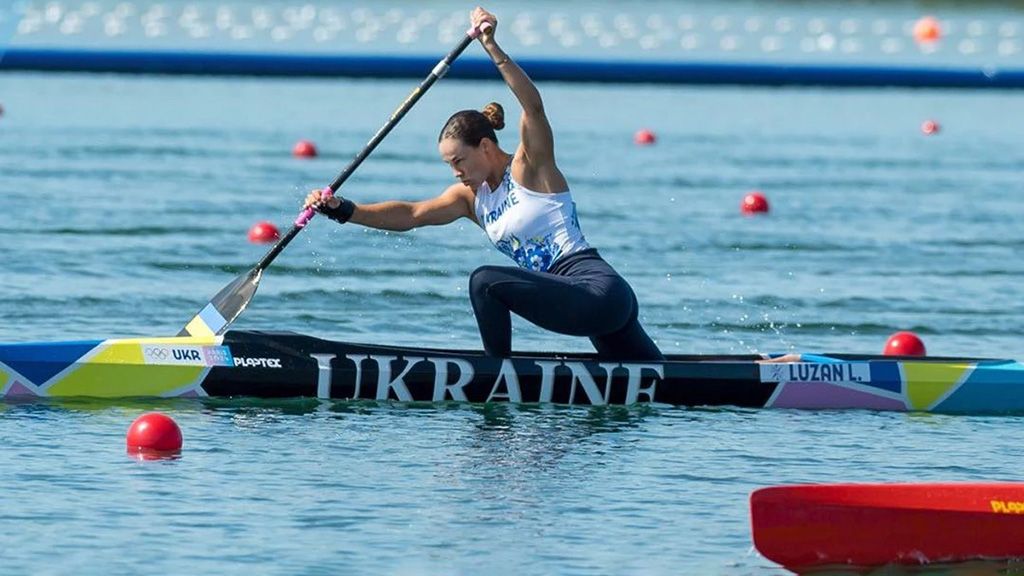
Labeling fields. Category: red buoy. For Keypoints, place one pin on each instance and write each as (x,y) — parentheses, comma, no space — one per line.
(154,433)
(754,203)
(904,344)
(263,233)
(304,149)
(644,137)
(927,29)
(929,127)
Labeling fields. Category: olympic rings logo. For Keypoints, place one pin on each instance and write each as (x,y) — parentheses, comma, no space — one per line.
(157,353)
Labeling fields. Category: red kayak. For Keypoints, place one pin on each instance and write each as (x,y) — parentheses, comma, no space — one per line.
(812,527)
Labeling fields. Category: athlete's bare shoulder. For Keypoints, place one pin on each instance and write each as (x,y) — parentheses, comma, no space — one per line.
(464,195)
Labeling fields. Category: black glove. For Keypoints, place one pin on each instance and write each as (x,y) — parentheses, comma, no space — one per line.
(342,213)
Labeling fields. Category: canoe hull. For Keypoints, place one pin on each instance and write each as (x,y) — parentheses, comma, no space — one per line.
(809,527)
(276,365)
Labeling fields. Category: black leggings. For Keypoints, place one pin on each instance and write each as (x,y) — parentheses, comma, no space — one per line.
(581,296)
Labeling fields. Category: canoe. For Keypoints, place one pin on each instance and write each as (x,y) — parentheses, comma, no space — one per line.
(279,365)
(808,528)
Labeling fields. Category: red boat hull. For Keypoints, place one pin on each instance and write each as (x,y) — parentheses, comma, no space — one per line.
(805,527)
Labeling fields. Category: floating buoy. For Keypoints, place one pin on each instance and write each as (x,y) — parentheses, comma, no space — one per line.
(754,203)
(304,149)
(154,434)
(263,232)
(644,137)
(927,29)
(929,127)
(904,344)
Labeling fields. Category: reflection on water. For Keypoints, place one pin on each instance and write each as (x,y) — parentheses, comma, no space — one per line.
(526,440)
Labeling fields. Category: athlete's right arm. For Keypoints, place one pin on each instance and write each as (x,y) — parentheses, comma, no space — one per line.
(396,215)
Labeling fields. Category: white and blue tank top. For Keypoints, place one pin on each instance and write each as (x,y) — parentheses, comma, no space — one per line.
(532,228)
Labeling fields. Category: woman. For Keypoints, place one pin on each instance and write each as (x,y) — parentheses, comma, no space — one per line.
(522,202)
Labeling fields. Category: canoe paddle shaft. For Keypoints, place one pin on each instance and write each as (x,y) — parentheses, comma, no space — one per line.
(222,310)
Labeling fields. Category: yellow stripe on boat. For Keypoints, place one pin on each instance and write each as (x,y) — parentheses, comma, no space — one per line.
(119,370)
(928,382)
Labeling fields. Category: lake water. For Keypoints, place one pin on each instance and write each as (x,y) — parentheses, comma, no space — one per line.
(124,206)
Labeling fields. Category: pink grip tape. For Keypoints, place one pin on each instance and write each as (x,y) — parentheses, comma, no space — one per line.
(474,32)
(308,213)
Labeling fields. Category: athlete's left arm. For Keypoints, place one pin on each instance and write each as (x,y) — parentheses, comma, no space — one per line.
(537,143)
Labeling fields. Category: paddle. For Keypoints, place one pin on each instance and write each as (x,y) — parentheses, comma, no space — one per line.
(809,527)
(222,310)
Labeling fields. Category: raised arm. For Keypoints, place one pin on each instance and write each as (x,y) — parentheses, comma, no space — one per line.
(396,215)
(536,150)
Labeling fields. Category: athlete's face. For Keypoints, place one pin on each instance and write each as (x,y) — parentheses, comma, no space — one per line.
(470,164)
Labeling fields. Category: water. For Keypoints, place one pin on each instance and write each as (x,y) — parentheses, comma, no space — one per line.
(308,487)
(125,203)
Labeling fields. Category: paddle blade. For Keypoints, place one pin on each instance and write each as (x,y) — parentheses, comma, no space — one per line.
(868,525)
(222,310)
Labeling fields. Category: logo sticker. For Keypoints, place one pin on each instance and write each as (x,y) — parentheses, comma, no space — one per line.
(257,362)
(187,355)
(855,372)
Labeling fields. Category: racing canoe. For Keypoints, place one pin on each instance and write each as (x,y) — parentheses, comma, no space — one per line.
(857,527)
(279,365)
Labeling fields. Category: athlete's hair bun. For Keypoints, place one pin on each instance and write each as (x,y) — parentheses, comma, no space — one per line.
(472,126)
(495,114)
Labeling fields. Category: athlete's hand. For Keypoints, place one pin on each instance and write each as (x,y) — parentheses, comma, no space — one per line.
(316,200)
(477,17)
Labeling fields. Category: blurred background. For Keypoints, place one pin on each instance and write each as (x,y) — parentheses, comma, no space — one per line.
(852,43)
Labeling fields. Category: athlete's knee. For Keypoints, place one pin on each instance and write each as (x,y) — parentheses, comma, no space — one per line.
(482,278)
